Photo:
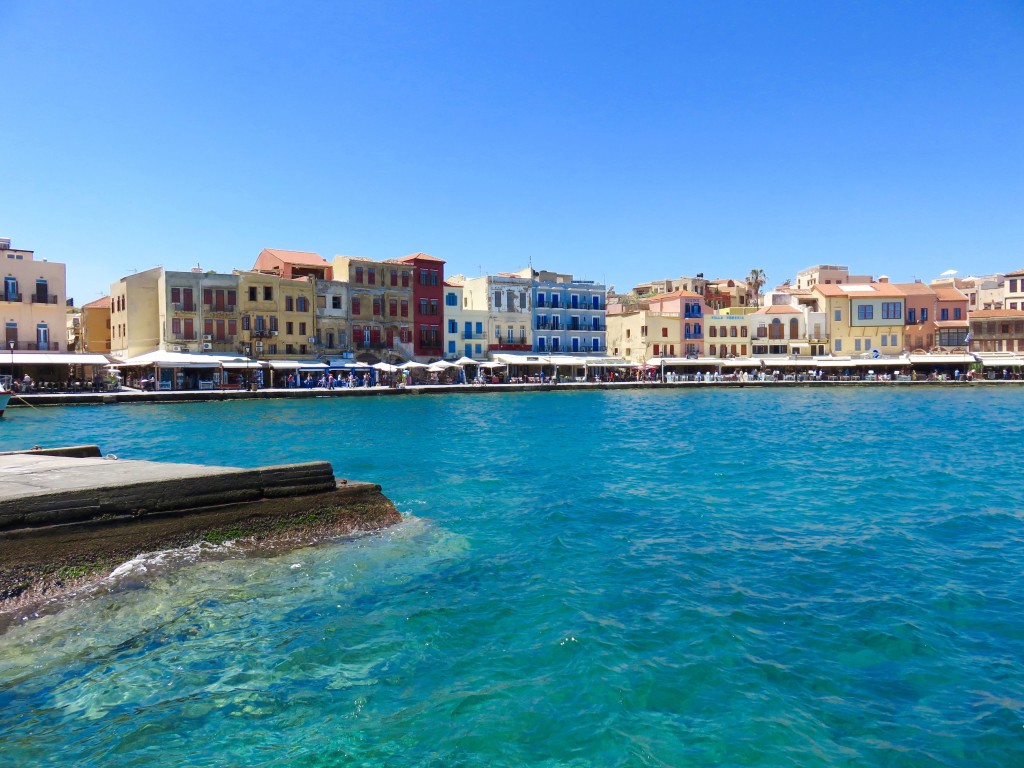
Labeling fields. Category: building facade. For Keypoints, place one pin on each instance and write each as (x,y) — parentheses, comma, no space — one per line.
(568,315)
(94,327)
(997,330)
(380,319)
(507,301)
(862,318)
(465,329)
(690,309)
(428,305)
(33,301)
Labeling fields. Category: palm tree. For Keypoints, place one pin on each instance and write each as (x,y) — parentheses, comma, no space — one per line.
(755,280)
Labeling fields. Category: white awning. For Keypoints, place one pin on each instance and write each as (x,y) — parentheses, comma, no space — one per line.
(295,365)
(940,359)
(162,359)
(52,358)
(467,361)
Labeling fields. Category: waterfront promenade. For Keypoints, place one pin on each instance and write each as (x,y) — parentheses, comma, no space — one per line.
(127,395)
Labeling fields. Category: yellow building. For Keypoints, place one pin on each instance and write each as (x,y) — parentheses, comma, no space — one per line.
(95,326)
(276,316)
(135,311)
(862,318)
(33,301)
(640,335)
(728,334)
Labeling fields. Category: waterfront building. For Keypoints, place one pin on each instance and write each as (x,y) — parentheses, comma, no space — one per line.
(997,330)
(1013,290)
(73,324)
(726,293)
(828,274)
(936,317)
(862,318)
(94,327)
(135,312)
(332,301)
(695,284)
(33,301)
(465,329)
(728,333)
(380,297)
(689,309)
(569,314)
(275,316)
(778,329)
(428,305)
(506,299)
(637,335)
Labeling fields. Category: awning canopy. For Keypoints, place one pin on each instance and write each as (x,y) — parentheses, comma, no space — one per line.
(296,365)
(52,358)
(467,361)
(162,359)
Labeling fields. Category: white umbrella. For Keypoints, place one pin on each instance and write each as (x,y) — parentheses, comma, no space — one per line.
(442,364)
(949,273)
(467,361)
(412,364)
(386,367)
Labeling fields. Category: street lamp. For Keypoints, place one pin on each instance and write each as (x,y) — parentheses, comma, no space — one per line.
(12,344)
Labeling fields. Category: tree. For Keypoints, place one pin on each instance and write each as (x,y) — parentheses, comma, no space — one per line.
(755,280)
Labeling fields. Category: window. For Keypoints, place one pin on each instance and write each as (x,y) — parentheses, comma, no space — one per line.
(957,311)
(892,340)
(289,328)
(885,340)
(302,304)
(838,316)
(356,305)
(655,350)
(423,306)
(175,293)
(433,307)
(289,304)
(865,312)
(252,293)
(839,345)
(176,327)
(405,279)
(497,298)
(376,306)
(924,315)
(302,329)
(911,315)
(522,299)
(479,327)
(371,276)
(394,278)
(743,331)
(943,314)
(451,300)
(359,274)
(712,331)
(664,333)
(335,302)
(453,327)
(268,293)
(273,323)
(393,307)
(405,308)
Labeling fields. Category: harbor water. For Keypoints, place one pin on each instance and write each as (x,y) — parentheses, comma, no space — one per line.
(666,578)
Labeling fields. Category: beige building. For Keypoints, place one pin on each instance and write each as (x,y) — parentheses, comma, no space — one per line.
(637,336)
(94,326)
(863,318)
(1013,290)
(135,326)
(33,301)
(828,274)
(380,314)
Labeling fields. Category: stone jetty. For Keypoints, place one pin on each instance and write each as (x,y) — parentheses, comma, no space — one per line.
(69,514)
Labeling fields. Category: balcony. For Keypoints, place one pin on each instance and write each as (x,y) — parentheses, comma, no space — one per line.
(263,333)
(180,306)
(542,325)
(45,299)
(468,336)
(229,308)
(12,297)
(509,347)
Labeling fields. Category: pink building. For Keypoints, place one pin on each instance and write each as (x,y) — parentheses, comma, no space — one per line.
(293,264)
(691,309)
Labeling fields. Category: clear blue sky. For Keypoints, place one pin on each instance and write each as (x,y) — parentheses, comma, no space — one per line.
(618,141)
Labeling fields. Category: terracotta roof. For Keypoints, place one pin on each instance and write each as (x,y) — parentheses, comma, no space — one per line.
(779,309)
(298,257)
(915,289)
(1015,273)
(984,314)
(673,295)
(102,303)
(950,323)
(945,293)
(420,257)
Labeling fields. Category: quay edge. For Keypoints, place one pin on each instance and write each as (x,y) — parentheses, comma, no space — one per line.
(67,521)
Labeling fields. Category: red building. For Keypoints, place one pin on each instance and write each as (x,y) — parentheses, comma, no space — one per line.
(428,304)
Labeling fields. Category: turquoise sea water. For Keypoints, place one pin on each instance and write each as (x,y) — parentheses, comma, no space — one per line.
(742,577)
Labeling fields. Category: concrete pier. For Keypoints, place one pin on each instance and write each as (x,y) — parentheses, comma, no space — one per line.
(69,516)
